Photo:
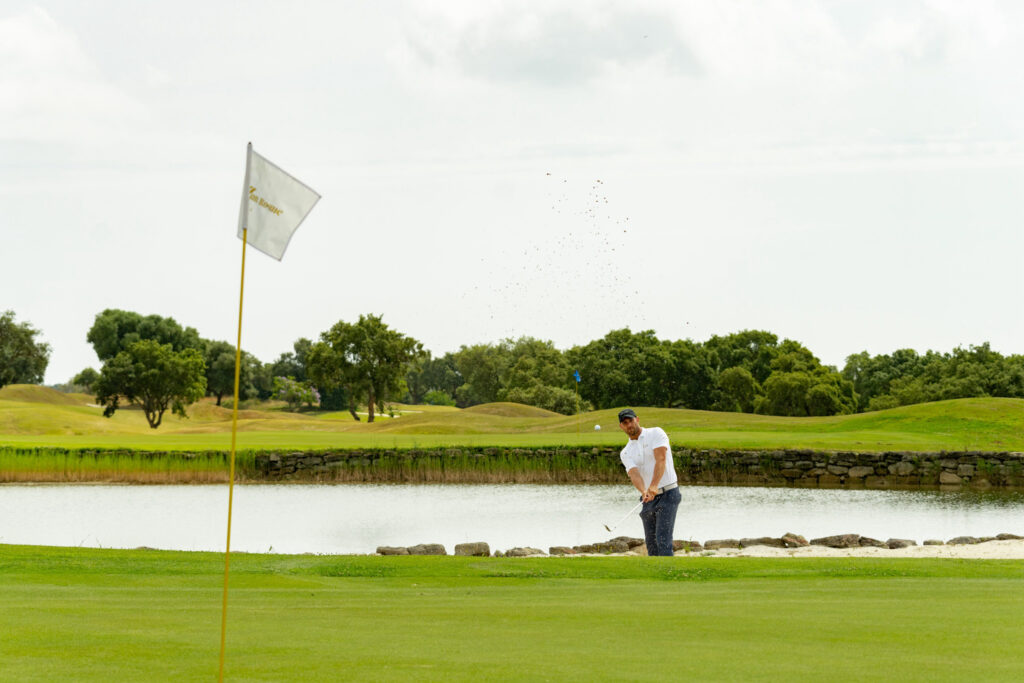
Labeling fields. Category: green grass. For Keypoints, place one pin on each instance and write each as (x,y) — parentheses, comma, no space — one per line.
(100,615)
(30,416)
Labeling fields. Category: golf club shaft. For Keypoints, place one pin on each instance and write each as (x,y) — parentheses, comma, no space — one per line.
(626,516)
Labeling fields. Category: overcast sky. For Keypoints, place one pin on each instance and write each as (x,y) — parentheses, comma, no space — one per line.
(847,174)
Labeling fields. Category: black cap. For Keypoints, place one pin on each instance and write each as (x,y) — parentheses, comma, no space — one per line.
(626,414)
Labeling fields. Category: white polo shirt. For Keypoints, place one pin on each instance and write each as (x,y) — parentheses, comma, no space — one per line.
(639,453)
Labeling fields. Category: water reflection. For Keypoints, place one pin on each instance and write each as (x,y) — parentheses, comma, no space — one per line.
(358,518)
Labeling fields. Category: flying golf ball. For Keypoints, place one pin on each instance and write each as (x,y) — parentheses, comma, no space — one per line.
(597,428)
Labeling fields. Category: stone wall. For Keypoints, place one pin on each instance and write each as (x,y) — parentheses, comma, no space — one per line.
(802,468)
(844,469)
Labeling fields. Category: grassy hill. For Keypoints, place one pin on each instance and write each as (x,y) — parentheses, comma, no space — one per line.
(37,416)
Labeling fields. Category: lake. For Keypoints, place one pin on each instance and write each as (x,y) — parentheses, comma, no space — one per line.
(356,518)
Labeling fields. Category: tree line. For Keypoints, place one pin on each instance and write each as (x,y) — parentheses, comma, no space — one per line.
(158,364)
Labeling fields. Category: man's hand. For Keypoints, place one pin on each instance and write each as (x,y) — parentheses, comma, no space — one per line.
(649,494)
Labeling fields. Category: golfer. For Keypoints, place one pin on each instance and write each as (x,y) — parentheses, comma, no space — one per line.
(647,458)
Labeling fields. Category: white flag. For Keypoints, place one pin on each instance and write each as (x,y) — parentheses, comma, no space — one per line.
(274,204)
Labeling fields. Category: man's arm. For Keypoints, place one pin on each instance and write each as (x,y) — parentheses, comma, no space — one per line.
(638,481)
(659,470)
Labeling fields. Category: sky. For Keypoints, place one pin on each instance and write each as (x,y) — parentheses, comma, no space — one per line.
(848,174)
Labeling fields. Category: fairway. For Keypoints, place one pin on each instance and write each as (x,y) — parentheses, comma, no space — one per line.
(40,417)
(100,615)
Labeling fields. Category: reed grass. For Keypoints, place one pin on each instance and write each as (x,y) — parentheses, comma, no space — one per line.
(49,465)
(52,465)
(466,468)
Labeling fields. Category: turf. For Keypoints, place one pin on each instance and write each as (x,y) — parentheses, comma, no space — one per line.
(84,614)
(46,418)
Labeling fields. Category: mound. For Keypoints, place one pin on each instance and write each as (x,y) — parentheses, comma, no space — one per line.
(511,410)
(33,393)
(206,411)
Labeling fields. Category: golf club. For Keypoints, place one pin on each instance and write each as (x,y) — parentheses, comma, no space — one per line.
(609,528)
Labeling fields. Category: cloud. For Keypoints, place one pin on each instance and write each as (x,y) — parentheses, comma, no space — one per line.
(49,89)
(549,45)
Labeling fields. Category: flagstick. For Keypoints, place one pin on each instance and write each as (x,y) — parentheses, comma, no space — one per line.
(577,410)
(231,477)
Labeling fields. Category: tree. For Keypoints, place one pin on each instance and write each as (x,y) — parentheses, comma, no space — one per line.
(367,358)
(740,387)
(692,383)
(295,393)
(750,349)
(115,330)
(23,360)
(625,368)
(481,367)
(293,363)
(219,357)
(428,374)
(86,379)
(963,373)
(800,385)
(153,376)
(873,376)
(538,374)
(785,393)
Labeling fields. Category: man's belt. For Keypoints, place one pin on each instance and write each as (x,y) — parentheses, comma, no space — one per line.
(668,488)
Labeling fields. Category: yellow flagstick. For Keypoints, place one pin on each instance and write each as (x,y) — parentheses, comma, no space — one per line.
(231,478)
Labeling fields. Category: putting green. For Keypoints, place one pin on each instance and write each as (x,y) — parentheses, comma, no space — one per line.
(86,615)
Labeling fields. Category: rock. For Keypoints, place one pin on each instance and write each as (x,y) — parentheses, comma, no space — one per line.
(611,547)
(560,550)
(1008,537)
(791,540)
(860,472)
(427,549)
(840,541)
(865,541)
(523,552)
(585,548)
(949,478)
(628,540)
(478,549)
(963,540)
(934,541)
(894,543)
(837,469)
(392,550)
(686,546)
(965,470)
(764,540)
(902,469)
(722,543)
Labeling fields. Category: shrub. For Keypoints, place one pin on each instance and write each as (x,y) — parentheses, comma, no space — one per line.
(295,394)
(438,398)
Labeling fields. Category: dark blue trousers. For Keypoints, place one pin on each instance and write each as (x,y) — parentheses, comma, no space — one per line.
(659,518)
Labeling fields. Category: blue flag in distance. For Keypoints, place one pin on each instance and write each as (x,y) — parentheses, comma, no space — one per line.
(576,374)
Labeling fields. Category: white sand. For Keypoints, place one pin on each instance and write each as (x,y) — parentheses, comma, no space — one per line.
(989,550)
